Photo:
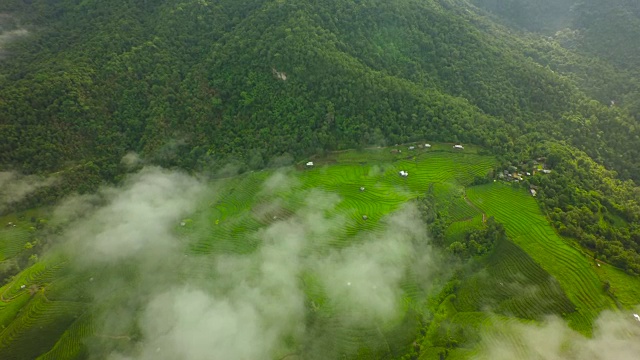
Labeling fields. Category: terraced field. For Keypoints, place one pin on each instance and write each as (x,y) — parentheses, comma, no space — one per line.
(529,229)
(12,241)
(363,187)
(512,284)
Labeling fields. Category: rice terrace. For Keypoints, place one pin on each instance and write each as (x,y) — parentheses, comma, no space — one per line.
(292,236)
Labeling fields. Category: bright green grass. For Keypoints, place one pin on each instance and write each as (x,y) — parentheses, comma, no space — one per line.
(528,228)
(240,211)
(512,284)
(458,229)
(242,205)
(625,288)
(227,226)
(12,241)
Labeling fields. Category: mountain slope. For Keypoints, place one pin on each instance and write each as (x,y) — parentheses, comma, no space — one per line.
(189,84)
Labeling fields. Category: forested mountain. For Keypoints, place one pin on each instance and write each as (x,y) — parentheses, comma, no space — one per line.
(535,15)
(545,88)
(600,31)
(200,84)
(193,81)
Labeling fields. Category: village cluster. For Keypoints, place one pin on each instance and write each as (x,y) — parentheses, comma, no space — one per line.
(513,174)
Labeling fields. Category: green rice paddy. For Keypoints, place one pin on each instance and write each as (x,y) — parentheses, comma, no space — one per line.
(529,229)
(536,274)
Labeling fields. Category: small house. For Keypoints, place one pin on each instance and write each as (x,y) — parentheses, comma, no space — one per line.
(427,146)
(412,147)
(546,171)
(533,192)
(458,147)
(310,163)
(404,173)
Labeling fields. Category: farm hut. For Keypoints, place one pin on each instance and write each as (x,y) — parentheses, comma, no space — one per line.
(412,147)
(404,173)
(533,192)
(427,146)
(361,188)
(365,217)
(183,223)
(310,163)
(636,316)
(546,171)
(394,151)
(458,147)
(528,173)
(23,286)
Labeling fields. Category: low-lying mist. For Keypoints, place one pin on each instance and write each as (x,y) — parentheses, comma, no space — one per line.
(14,187)
(10,30)
(300,294)
(616,336)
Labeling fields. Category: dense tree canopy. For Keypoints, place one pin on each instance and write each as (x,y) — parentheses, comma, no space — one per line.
(196,84)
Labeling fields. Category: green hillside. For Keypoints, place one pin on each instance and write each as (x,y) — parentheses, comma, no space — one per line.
(52,308)
(350,179)
(190,84)
(528,275)
(531,231)
(601,36)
